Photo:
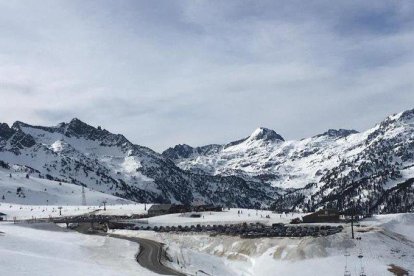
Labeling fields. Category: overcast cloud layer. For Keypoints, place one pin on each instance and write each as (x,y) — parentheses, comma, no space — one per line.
(199,72)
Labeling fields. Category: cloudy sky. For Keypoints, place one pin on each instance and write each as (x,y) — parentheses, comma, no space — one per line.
(198,72)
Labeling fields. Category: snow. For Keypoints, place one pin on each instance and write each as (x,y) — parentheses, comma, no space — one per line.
(43,250)
(286,159)
(294,163)
(385,240)
(57,146)
(21,212)
(402,224)
(38,191)
(80,158)
(130,164)
(226,217)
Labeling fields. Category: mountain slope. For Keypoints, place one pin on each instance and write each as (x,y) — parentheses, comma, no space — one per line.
(93,157)
(373,169)
(15,187)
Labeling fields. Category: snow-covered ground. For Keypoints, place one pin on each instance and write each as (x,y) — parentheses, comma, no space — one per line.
(228,216)
(385,240)
(16,188)
(36,211)
(47,250)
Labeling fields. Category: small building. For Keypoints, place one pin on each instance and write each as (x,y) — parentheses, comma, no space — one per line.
(3,216)
(324,215)
(163,209)
(159,209)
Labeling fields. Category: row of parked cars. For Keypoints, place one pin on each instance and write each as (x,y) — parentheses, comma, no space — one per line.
(293,231)
(252,230)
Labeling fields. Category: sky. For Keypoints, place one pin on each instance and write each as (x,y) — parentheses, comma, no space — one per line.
(198,72)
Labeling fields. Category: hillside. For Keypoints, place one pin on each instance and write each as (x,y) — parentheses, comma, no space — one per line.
(16,188)
(81,154)
(374,169)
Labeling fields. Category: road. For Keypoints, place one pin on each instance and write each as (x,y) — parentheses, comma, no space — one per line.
(150,255)
(150,252)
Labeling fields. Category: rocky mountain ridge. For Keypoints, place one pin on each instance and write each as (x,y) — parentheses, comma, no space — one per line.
(338,168)
(78,153)
(373,169)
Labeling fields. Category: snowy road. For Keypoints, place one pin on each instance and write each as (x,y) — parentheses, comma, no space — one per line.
(150,255)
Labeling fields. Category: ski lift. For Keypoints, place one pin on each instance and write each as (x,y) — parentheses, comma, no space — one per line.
(347,272)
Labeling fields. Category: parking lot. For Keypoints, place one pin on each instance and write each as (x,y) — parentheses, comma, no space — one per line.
(252,230)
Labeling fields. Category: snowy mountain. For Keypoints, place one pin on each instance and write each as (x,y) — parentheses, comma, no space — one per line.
(16,188)
(373,170)
(81,154)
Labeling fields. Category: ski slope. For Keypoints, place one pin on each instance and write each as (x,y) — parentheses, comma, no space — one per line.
(37,191)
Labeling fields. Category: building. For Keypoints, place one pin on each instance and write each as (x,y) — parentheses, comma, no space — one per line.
(3,216)
(163,209)
(159,209)
(325,215)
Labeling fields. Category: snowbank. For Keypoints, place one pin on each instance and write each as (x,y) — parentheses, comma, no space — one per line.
(53,251)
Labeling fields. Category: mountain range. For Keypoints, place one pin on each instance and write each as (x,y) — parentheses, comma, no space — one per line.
(371,170)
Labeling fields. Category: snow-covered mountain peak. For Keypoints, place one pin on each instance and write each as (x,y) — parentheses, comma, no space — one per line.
(407,116)
(18,125)
(402,118)
(5,131)
(265,134)
(179,151)
(337,167)
(338,133)
(81,154)
(78,128)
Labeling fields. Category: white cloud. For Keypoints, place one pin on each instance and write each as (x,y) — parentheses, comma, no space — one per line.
(206,71)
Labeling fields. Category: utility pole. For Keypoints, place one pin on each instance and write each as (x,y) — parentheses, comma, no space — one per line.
(352,221)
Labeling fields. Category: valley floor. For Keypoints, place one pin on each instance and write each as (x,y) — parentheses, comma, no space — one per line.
(39,249)
(386,241)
